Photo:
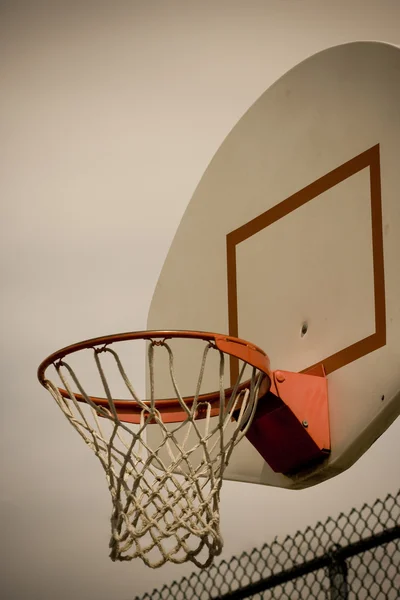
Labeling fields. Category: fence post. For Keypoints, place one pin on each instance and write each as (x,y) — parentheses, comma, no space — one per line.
(338,576)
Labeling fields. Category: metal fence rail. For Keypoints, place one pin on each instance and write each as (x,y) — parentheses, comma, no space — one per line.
(353,557)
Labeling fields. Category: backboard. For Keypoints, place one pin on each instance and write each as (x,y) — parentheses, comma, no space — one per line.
(292,241)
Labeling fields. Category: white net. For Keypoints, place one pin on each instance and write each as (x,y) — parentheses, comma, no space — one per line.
(163,510)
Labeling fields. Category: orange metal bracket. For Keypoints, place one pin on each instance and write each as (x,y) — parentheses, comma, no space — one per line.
(291,426)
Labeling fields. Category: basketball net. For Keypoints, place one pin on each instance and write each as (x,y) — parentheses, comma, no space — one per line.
(162,510)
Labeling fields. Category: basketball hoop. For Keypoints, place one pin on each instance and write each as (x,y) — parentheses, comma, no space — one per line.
(165,496)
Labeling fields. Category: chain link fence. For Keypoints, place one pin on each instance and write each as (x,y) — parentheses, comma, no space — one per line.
(353,557)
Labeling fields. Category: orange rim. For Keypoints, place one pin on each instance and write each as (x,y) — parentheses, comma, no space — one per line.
(170,408)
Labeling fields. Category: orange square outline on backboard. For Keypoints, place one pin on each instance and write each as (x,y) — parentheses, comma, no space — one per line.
(368,159)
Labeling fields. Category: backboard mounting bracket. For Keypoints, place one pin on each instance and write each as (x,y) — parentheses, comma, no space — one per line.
(291,427)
